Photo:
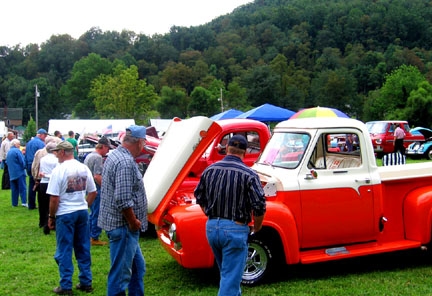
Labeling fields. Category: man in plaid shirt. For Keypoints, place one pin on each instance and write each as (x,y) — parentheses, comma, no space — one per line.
(123,214)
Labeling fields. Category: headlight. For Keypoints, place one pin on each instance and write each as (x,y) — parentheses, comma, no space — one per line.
(378,141)
(172,232)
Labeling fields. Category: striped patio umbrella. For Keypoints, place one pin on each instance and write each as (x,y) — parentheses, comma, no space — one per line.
(319,112)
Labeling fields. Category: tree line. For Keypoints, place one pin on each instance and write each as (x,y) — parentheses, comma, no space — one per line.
(369,59)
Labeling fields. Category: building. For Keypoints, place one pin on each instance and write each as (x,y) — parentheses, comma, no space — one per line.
(12,117)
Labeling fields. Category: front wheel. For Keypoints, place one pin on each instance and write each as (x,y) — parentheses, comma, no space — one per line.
(258,263)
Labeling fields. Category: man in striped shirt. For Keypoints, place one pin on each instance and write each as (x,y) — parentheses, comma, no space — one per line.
(229,193)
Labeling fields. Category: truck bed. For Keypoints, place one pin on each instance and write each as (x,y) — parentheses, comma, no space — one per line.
(407,171)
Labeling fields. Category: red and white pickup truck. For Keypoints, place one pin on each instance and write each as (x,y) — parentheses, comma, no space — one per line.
(322,204)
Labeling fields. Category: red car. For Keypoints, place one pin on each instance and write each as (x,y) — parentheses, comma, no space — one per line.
(152,143)
(88,143)
(382,135)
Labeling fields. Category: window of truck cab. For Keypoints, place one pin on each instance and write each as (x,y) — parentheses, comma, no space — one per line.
(285,149)
(253,138)
(376,127)
(336,151)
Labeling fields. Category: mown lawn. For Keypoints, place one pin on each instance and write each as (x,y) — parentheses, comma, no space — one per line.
(27,267)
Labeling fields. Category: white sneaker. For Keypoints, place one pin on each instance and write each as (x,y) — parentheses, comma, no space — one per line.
(25,205)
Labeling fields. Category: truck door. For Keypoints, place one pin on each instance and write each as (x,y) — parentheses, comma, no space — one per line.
(337,201)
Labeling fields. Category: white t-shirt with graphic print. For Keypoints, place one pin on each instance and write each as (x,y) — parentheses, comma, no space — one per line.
(71,180)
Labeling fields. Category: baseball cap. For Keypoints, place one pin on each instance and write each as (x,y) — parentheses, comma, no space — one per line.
(52,139)
(136,131)
(65,145)
(42,131)
(104,141)
(238,141)
(50,146)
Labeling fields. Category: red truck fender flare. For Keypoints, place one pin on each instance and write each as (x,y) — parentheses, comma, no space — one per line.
(280,218)
(417,215)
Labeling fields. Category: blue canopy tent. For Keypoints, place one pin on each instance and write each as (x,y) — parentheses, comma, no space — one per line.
(268,113)
(231,113)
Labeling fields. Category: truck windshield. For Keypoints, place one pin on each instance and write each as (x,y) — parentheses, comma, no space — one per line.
(285,150)
(376,127)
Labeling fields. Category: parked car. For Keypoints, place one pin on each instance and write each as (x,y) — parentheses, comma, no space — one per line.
(151,144)
(86,145)
(421,149)
(382,135)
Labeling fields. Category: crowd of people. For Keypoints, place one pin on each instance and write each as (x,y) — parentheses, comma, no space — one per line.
(106,192)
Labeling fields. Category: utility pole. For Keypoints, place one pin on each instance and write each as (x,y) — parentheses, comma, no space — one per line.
(221,100)
(37,95)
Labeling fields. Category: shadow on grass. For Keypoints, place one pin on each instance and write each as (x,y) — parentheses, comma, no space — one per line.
(369,266)
(382,263)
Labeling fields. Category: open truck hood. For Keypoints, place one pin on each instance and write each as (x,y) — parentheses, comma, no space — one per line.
(183,144)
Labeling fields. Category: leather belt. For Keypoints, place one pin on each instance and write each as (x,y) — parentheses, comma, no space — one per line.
(238,221)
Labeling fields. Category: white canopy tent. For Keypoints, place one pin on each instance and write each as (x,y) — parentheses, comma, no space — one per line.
(89,126)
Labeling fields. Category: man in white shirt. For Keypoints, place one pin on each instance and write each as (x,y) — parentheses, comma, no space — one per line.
(47,164)
(4,149)
(399,136)
(70,181)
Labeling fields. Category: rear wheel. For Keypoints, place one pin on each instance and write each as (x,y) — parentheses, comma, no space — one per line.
(259,262)
(429,154)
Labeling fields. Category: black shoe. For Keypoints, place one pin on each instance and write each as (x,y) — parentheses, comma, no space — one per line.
(83,288)
(60,291)
(46,229)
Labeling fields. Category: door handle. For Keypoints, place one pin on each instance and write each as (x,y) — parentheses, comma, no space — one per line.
(366,180)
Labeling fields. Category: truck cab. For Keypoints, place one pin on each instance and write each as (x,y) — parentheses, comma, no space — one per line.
(257,134)
(334,199)
(188,147)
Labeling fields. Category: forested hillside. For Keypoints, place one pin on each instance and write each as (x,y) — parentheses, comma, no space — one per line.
(370,59)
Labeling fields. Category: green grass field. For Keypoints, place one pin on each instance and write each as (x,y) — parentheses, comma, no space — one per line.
(27,267)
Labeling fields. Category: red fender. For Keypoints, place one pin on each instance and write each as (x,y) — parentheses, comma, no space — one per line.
(418,215)
(280,218)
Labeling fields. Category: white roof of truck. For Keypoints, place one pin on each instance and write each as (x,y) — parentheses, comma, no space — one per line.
(321,122)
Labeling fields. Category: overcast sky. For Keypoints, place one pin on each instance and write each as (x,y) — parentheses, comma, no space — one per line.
(31,21)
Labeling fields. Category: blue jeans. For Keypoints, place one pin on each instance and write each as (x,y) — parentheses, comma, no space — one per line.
(19,188)
(127,263)
(72,234)
(95,230)
(228,241)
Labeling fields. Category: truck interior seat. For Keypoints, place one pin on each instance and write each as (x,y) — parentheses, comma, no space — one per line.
(337,162)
